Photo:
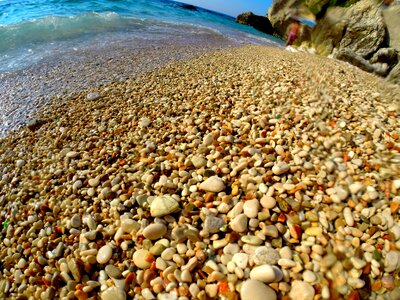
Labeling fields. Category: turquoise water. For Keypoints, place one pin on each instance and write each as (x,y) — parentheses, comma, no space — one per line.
(31,30)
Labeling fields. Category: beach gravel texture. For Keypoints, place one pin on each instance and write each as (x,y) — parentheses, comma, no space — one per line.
(248,173)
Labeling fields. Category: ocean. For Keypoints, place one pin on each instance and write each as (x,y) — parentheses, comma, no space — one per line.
(50,46)
(31,30)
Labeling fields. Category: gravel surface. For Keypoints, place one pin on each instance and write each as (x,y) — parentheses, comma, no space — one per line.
(247,173)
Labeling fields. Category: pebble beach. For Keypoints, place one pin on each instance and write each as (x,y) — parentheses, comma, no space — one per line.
(247,173)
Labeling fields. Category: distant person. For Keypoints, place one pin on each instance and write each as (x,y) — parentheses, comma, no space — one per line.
(292,32)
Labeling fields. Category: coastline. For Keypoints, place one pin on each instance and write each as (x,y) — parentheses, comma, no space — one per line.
(306,151)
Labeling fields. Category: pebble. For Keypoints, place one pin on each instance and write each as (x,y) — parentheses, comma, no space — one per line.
(20,163)
(256,290)
(268,202)
(163,205)
(93,96)
(301,290)
(104,254)
(142,258)
(113,271)
(144,122)
(76,221)
(280,168)
(348,216)
(199,162)
(155,231)
(113,293)
(239,223)
(309,276)
(250,208)
(213,224)
(266,255)
(392,261)
(266,273)
(241,260)
(93,182)
(213,184)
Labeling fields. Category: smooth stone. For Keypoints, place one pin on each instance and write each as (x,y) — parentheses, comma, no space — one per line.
(239,223)
(77,185)
(213,184)
(301,291)
(266,255)
(140,258)
(154,231)
(348,216)
(251,207)
(21,263)
(392,261)
(266,273)
(129,225)
(144,122)
(252,240)
(241,260)
(309,276)
(20,163)
(198,162)
(163,205)
(76,221)
(93,182)
(93,96)
(213,224)
(113,271)
(268,202)
(280,168)
(256,290)
(72,154)
(113,293)
(104,254)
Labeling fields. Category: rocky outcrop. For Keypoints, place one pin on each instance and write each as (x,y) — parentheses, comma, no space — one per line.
(353,58)
(365,29)
(391,16)
(365,33)
(394,75)
(258,22)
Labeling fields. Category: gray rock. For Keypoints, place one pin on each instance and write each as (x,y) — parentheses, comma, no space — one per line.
(35,124)
(353,58)
(258,22)
(385,55)
(394,75)
(365,31)
(212,224)
(93,96)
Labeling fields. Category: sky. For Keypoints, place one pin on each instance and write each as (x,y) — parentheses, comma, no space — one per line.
(233,7)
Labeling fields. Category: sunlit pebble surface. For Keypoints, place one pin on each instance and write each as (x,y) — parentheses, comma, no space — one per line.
(248,173)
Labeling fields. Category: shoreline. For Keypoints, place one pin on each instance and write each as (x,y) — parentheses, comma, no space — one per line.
(26,90)
(243,172)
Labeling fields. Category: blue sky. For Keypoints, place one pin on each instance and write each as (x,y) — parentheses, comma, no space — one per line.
(233,7)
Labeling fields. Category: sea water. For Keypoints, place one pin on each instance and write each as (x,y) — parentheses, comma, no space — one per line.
(31,30)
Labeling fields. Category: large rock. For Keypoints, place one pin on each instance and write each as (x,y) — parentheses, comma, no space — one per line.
(358,61)
(394,75)
(391,16)
(359,28)
(329,31)
(365,30)
(258,22)
(386,55)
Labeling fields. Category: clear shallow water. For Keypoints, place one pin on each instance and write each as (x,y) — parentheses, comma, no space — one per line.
(31,30)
